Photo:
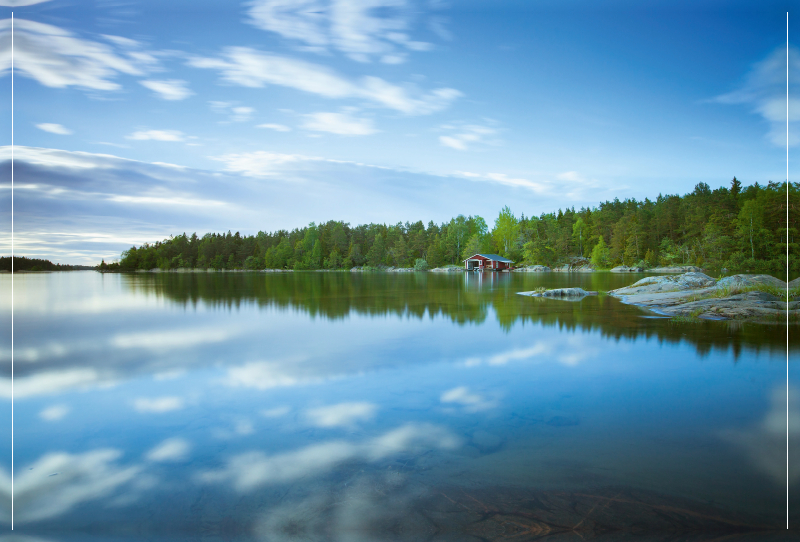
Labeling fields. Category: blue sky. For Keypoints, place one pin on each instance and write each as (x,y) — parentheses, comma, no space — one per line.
(280,112)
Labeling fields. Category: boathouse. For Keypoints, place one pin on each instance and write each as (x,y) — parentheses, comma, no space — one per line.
(487,262)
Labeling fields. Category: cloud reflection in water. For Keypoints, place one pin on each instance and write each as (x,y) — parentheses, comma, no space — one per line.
(250,470)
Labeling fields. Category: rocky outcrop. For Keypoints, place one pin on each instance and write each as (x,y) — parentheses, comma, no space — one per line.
(560,293)
(651,285)
(626,269)
(698,295)
(749,281)
(447,270)
(676,269)
(533,269)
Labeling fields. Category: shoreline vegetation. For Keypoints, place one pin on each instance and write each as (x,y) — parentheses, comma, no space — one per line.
(734,229)
(725,231)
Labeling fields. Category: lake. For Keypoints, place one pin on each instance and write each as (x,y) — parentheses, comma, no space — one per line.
(348,406)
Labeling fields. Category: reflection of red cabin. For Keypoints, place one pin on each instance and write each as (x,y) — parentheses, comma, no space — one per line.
(487,262)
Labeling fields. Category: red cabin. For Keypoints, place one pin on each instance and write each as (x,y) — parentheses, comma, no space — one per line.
(487,262)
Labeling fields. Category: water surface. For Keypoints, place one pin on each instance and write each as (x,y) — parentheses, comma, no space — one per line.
(345,406)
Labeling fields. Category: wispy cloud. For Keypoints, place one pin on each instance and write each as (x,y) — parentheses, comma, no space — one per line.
(251,470)
(157,135)
(21,3)
(276,127)
(157,405)
(463,136)
(54,413)
(503,178)
(341,415)
(764,90)
(54,128)
(172,89)
(467,400)
(251,68)
(57,58)
(172,449)
(236,113)
(338,123)
(364,30)
(59,481)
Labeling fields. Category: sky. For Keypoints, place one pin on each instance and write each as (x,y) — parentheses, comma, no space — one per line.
(134,121)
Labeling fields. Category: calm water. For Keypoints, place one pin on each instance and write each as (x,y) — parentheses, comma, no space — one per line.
(339,406)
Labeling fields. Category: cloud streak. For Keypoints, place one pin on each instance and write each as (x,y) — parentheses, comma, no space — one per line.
(57,58)
(338,123)
(248,67)
(251,470)
(172,89)
(363,30)
(764,91)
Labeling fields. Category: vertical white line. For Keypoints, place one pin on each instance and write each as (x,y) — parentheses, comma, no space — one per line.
(12,270)
(787,270)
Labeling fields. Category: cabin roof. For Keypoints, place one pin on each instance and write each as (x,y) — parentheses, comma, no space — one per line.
(494,257)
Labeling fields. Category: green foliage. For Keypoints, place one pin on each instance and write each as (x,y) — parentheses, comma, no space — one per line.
(742,229)
(505,231)
(421,265)
(377,252)
(600,255)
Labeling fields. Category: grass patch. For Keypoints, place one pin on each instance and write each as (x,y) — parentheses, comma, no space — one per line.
(540,290)
(692,318)
(729,291)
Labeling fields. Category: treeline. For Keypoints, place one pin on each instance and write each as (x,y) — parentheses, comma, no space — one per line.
(738,228)
(21,263)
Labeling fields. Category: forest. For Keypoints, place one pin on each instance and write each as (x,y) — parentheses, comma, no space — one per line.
(21,263)
(738,228)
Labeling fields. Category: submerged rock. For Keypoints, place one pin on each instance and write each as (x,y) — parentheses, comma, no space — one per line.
(570,293)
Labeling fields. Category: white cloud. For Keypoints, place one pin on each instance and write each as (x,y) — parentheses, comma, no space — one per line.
(157,135)
(235,113)
(21,3)
(242,114)
(172,449)
(251,470)
(520,354)
(56,58)
(276,412)
(338,123)
(54,128)
(765,442)
(60,481)
(502,178)
(172,89)
(342,414)
(469,401)
(180,339)
(50,382)
(264,375)
(463,136)
(157,405)
(250,68)
(361,29)
(764,90)
(54,413)
(276,127)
